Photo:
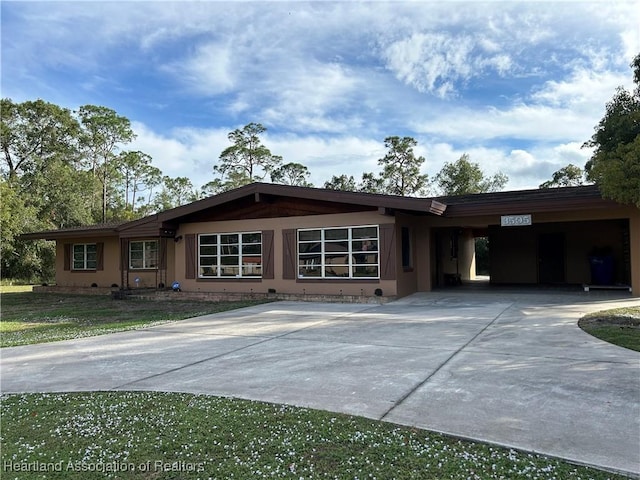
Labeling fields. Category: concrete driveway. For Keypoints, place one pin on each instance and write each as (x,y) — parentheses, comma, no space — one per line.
(508,368)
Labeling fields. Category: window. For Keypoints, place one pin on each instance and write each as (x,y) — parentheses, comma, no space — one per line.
(230,255)
(344,252)
(143,254)
(85,256)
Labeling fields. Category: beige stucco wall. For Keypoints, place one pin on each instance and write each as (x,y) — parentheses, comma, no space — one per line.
(78,278)
(153,278)
(323,287)
(111,274)
(465,263)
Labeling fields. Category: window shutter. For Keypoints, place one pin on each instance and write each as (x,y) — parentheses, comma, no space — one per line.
(99,256)
(163,254)
(388,251)
(190,255)
(124,254)
(289,254)
(67,256)
(267,255)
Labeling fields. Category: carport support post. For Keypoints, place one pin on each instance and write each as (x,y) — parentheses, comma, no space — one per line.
(634,237)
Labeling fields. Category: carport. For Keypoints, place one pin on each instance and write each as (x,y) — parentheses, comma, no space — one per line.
(539,237)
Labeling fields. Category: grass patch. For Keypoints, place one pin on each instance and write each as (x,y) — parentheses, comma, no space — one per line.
(29,317)
(148,435)
(619,326)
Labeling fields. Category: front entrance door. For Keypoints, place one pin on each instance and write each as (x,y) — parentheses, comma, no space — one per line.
(551,258)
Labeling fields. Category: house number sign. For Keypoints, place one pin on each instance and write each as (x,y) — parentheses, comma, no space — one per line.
(515,220)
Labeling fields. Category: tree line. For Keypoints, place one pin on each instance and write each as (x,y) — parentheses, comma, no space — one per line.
(62,168)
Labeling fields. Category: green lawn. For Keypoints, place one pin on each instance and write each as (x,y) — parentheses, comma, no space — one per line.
(620,326)
(27,317)
(144,435)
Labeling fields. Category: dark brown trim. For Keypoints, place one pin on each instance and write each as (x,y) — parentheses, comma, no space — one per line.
(190,255)
(388,251)
(100,256)
(229,280)
(67,256)
(124,263)
(258,191)
(162,253)
(527,201)
(268,270)
(349,281)
(289,254)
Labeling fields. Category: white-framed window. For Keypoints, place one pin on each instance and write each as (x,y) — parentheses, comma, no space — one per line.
(339,252)
(237,255)
(143,254)
(85,256)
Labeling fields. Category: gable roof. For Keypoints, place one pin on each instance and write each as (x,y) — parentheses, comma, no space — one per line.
(259,200)
(264,191)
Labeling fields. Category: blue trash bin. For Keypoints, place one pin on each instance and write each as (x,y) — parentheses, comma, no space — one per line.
(601,270)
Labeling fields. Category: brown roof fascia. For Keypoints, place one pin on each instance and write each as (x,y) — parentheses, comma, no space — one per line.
(101,230)
(526,201)
(258,190)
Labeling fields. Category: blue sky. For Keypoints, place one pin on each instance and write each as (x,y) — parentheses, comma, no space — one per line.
(519,86)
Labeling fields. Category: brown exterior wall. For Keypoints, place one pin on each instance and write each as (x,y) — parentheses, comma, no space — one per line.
(78,278)
(514,252)
(423,254)
(111,275)
(465,263)
(153,278)
(512,255)
(407,275)
(280,285)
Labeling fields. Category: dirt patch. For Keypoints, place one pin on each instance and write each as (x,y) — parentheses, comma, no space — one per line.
(610,320)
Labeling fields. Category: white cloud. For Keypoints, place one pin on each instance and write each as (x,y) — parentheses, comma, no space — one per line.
(581,90)
(185,152)
(531,122)
(430,62)
(563,110)
(313,97)
(358,71)
(209,71)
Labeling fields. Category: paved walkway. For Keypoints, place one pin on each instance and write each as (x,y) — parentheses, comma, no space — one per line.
(508,368)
